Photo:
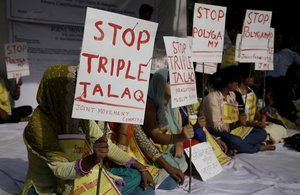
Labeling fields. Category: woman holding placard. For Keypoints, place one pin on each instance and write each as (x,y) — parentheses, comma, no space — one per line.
(223,118)
(63,152)
(247,101)
(161,124)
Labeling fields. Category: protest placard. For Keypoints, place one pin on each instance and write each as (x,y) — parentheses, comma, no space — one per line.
(255,36)
(115,62)
(208,33)
(267,63)
(16,59)
(181,71)
(204,160)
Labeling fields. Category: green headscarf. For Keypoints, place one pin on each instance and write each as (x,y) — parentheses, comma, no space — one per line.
(53,114)
(166,117)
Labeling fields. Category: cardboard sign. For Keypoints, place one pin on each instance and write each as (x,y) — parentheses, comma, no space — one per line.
(87,185)
(220,155)
(208,33)
(181,71)
(230,113)
(16,59)
(267,64)
(115,62)
(255,36)
(204,160)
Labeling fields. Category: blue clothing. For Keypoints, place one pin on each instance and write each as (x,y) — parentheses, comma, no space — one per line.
(132,178)
(168,184)
(282,60)
(198,131)
(250,144)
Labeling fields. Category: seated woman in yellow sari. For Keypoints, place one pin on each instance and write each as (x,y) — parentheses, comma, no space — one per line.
(52,168)
(247,101)
(223,118)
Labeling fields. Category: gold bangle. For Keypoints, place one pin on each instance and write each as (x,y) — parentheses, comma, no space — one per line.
(156,156)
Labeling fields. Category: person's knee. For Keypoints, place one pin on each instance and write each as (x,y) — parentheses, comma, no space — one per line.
(260,133)
(168,184)
(235,142)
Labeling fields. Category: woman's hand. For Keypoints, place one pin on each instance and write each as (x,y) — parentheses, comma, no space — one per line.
(179,151)
(4,115)
(176,174)
(222,145)
(147,180)
(261,124)
(100,148)
(187,132)
(202,121)
(243,119)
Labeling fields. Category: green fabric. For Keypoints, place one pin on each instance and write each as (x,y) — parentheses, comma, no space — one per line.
(131,177)
(32,191)
(52,117)
(53,114)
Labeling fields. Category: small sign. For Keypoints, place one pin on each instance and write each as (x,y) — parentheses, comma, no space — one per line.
(16,60)
(205,160)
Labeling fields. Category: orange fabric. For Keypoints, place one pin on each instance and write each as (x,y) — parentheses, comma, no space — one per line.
(116,129)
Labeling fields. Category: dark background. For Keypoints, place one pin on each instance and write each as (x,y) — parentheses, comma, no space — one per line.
(285,16)
(285,13)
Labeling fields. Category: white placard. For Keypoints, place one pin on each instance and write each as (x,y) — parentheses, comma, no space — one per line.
(255,36)
(209,68)
(208,33)
(181,71)
(115,62)
(204,160)
(268,63)
(16,59)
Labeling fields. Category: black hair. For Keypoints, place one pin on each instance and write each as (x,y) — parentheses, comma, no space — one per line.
(224,76)
(246,69)
(145,8)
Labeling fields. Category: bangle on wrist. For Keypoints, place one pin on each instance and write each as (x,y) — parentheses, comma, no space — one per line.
(143,170)
(78,168)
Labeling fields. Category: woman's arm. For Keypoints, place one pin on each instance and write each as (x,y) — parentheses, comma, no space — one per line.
(146,146)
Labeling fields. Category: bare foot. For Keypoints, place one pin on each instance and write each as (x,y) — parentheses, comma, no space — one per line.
(267,147)
(231,152)
(24,119)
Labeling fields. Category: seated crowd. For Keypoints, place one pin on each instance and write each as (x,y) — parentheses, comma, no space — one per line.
(140,158)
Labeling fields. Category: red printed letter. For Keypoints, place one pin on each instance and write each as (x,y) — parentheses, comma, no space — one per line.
(90,57)
(101,37)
